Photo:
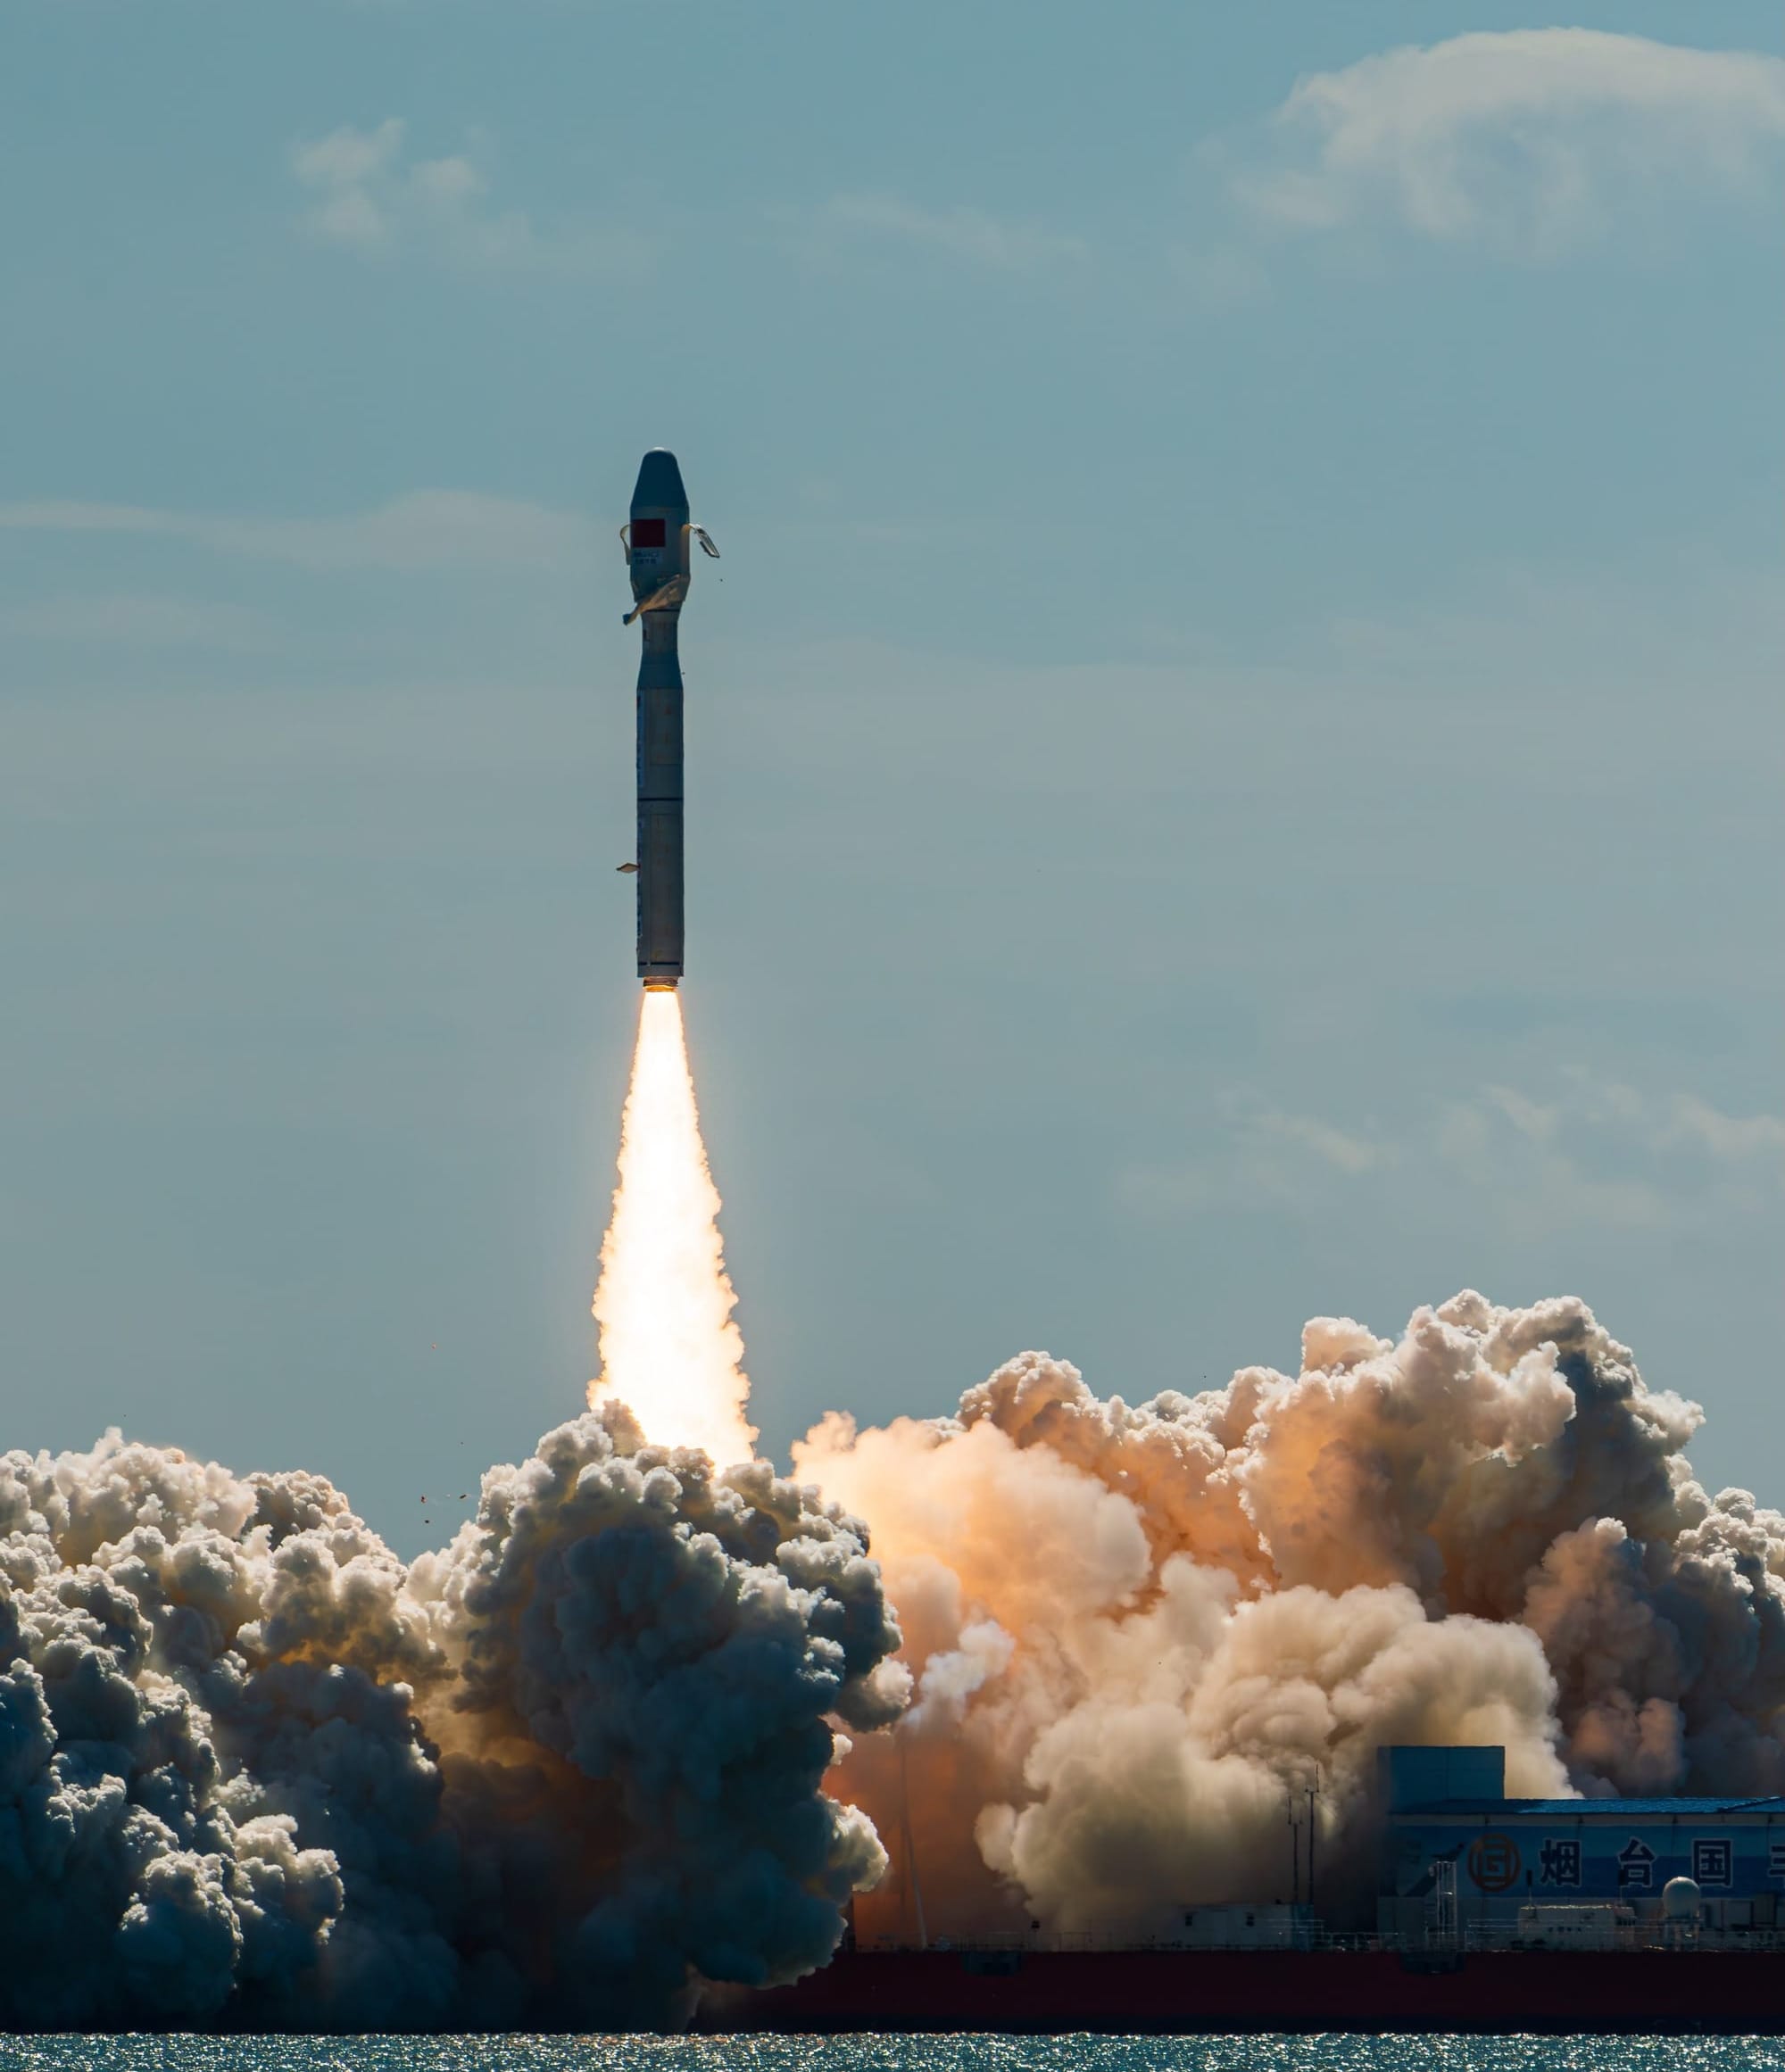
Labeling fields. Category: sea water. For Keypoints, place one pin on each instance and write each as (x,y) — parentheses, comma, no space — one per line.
(958,2053)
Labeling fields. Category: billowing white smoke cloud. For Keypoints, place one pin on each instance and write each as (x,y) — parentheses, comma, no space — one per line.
(254,1771)
(1137,1631)
(251,1770)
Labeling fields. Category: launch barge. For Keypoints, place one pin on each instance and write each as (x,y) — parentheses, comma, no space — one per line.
(1493,1914)
(1647,1991)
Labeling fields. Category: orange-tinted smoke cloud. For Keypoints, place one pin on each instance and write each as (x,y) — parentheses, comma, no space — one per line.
(669,1347)
(1140,1633)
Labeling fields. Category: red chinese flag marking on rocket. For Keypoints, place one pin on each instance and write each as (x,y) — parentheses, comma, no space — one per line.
(647,532)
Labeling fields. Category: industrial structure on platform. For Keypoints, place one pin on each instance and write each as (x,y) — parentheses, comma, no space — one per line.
(1462,1861)
(1656,1916)
(1461,1866)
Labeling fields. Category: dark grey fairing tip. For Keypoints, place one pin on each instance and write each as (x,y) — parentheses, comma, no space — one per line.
(659,480)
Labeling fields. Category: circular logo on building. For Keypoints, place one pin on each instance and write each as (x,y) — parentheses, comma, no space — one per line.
(1493,1862)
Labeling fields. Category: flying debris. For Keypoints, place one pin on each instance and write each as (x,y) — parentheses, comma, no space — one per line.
(657,538)
(627,868)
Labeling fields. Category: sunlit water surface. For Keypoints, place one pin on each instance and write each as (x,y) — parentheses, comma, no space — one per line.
(964,2053)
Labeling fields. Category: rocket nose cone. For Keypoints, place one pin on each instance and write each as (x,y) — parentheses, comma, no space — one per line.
(659,479)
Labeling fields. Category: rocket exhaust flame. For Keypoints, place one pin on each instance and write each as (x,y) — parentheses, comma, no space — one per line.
(669,1347)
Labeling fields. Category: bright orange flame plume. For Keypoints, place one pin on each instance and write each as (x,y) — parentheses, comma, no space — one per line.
(668,1345)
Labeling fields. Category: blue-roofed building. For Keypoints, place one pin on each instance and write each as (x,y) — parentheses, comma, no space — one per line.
(1448,1806)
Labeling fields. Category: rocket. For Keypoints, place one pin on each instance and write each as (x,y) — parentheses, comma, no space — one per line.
(659,539)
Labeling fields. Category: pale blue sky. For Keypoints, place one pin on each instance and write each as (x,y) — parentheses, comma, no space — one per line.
(1234,765)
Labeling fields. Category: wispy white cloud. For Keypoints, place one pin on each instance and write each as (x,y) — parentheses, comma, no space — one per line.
(136,621)
(1508,1151)
(971,236)
(365,191)
(1599,1151)
(1590,1152)
(437,528)
(1733,1139)
(1268,1156)
(1530,139)
(1338,1148)
(1673,1123)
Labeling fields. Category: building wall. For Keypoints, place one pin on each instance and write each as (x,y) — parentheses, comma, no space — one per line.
(1423,1777)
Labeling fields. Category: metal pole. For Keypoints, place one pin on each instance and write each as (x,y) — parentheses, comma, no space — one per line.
(1313,1793)
(1294,1847)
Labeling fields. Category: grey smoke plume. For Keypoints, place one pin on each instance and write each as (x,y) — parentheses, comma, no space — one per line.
(1135,1631)
(251,1771)
(254,1771)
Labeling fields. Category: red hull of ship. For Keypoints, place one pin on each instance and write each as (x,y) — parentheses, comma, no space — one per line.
(1226,1992)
